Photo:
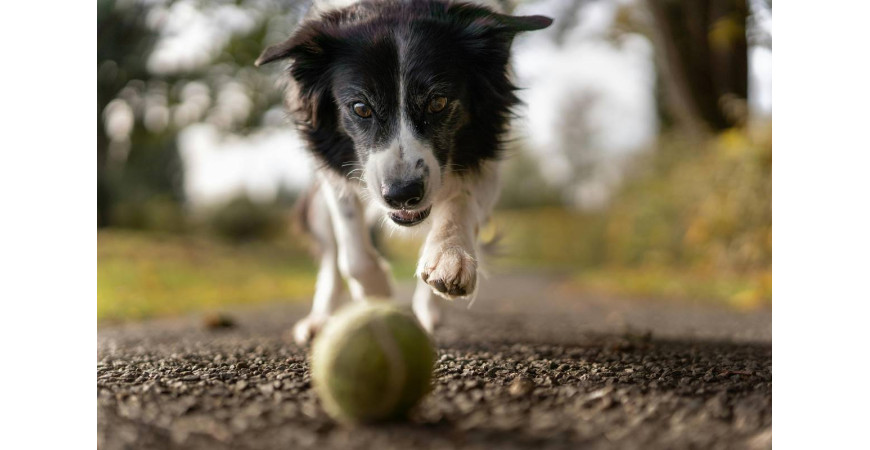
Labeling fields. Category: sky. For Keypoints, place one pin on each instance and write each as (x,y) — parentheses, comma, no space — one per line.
(614,79)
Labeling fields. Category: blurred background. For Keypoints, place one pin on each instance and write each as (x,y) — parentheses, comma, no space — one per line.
(640,164)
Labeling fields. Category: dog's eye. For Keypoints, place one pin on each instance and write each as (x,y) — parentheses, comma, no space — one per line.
(362,110)
(437,104)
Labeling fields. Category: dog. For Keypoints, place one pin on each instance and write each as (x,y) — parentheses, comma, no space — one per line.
(405,105)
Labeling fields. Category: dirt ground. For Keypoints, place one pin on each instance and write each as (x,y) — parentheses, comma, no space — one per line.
(530,365)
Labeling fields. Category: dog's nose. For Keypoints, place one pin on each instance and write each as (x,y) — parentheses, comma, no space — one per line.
(403,194)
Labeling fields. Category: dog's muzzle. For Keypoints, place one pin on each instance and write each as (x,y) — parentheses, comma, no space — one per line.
(404,196)
(409,218)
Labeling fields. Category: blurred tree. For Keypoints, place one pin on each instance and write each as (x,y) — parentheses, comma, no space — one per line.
(133,162)
(523,186)
(142,106)
(703,59)
(581,138)
(242,219)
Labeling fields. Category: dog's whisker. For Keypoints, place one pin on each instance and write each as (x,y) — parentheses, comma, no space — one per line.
(365,194)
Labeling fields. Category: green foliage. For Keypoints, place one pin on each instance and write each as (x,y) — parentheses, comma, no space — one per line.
(703,205)
(692,219)
(523,186)
(154,213)
(242,219)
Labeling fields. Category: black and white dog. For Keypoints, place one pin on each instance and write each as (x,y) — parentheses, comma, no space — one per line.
(404,104)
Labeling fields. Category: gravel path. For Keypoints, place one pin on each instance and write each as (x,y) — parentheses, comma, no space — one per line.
(529,366)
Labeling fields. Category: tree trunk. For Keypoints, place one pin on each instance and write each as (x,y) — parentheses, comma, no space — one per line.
(703,59)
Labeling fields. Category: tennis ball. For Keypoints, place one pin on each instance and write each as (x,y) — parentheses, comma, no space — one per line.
(372,361)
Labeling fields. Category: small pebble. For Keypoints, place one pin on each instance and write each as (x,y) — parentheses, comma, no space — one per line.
(521,386)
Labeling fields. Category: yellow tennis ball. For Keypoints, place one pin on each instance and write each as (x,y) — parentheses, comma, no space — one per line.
(372,361)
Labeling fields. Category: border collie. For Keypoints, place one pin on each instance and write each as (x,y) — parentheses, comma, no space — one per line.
(405,105)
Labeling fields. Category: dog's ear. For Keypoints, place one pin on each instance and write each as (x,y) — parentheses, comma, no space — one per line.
(309,43)
(311,49)
(516,24)
(486,36)
(489,35)
(276,52)
(511,25)
(484,21)
(483,41)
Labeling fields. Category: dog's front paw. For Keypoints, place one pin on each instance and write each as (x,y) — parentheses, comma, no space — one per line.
(306,328)
(450,270)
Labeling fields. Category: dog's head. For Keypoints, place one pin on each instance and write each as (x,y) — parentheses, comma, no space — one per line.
(402,94)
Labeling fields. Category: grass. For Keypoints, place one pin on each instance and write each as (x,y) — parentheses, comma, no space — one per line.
(739,291)
(141,275)
(573,242)
(560,240)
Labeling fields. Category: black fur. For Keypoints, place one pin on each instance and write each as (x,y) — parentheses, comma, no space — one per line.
(453,50)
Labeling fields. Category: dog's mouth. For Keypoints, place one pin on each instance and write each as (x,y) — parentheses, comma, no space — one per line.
(409,218)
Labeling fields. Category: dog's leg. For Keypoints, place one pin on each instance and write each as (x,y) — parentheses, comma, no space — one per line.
(448,262)
(364,270)
(425,306)
(329,286)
